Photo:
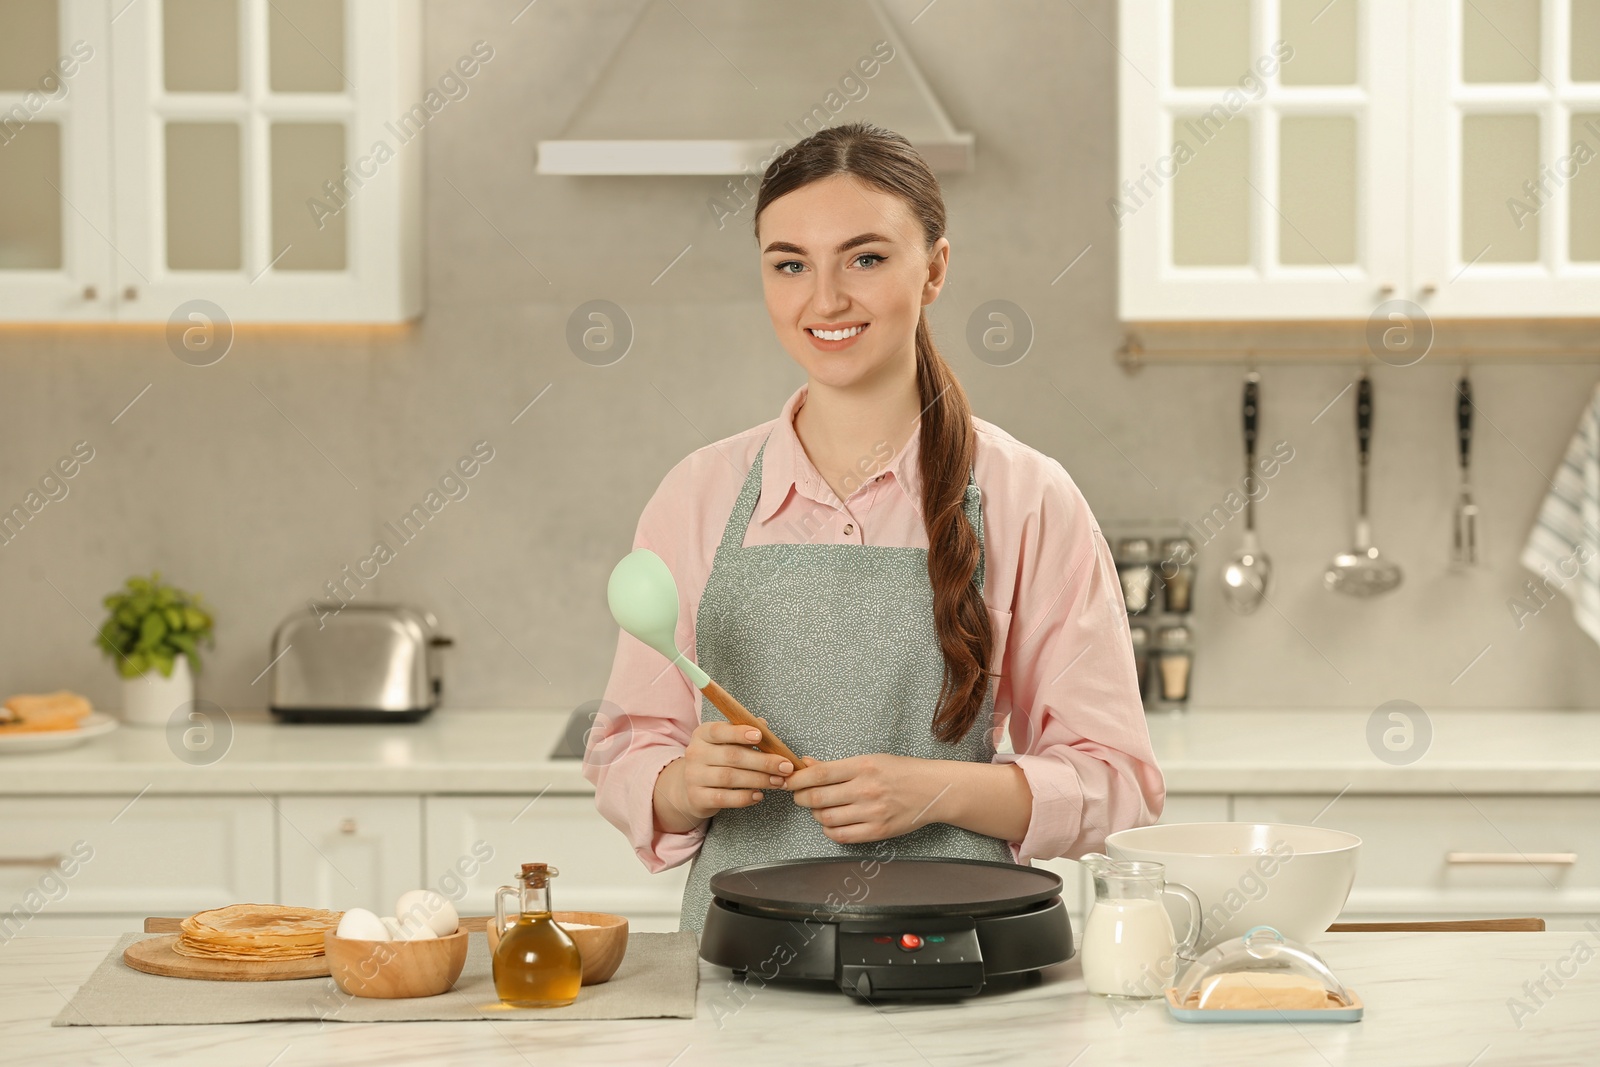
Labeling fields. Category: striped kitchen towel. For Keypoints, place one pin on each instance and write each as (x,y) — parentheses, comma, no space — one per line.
(1564,545)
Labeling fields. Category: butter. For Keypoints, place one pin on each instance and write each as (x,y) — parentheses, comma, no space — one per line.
(1262,991)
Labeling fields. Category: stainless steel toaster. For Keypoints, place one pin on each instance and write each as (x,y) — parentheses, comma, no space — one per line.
(356,663)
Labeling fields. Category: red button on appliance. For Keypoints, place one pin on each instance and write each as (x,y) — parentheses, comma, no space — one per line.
(910,942)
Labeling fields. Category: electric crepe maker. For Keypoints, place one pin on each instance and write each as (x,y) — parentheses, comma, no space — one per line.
(901,927)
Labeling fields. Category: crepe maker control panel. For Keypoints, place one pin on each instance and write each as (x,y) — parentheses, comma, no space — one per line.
(925,955)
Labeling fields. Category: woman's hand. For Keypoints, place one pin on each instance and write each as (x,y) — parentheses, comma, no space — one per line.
(868,798)
(719,769)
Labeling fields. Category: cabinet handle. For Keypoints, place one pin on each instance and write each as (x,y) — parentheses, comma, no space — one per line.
(131,293)
(348,826)
(32,861)
(91,293)
(1386,289)
(1558,859)
(1428,289)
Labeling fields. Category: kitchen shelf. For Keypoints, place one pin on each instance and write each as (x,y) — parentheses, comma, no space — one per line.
(1519,341)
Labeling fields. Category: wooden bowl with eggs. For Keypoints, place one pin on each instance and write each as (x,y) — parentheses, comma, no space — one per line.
(419,954)
(602,940)
(392,969)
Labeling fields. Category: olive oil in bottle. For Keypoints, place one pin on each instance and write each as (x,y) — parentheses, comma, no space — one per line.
(536,964)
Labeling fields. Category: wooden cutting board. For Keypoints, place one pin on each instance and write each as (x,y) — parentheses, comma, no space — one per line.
(154,955)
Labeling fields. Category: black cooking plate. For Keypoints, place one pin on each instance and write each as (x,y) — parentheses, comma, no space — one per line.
(909,886)
(917,926)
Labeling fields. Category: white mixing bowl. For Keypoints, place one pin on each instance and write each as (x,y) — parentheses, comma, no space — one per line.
(1294,878)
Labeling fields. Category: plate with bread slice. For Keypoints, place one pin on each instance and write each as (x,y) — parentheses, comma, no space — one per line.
(42,722)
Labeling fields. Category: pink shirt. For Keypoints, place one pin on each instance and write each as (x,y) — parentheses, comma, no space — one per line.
(1067,690)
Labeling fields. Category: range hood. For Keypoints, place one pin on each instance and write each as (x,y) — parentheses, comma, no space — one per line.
(721,86)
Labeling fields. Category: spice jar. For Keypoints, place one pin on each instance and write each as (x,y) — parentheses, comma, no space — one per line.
(1177,573)
(1137,574)
(1174,663)
(1141,658)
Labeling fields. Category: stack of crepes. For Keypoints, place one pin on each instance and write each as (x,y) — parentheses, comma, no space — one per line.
(255,932)
(28,713)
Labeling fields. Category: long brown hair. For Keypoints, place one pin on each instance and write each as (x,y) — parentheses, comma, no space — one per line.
(886,161)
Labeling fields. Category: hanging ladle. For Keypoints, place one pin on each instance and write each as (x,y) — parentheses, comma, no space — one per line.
(1361,571)
(644,601)
(1244,579)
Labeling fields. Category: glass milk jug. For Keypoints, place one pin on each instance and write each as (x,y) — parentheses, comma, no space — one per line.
(1128,947)
(536,964)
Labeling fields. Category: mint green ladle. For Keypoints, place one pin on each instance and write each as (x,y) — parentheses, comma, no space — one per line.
(644,600)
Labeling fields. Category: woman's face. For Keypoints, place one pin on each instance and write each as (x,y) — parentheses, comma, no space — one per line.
(838,254)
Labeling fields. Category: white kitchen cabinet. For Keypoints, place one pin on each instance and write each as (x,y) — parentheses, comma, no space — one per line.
(1297,160)
(130,857)
(1459,857)
(1197,807)
(492,836)
(263,157)
(1077,889)
(348,851)
(55,126)
(1506,159)
(1262,155)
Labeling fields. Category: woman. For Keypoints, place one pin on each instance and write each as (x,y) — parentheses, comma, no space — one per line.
(857,571)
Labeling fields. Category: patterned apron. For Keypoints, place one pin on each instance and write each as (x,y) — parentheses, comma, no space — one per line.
(835,645)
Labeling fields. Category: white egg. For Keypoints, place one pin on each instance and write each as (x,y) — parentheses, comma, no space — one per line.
(359,924)
(424,905)
(407,929)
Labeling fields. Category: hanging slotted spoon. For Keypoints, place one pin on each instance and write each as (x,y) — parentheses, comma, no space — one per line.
(644,601)
(1361,571)
(1244,579)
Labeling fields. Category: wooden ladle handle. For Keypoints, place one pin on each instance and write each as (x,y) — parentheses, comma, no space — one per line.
(739,715)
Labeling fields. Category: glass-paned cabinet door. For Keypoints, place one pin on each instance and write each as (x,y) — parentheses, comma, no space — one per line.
(1262,158)
(257,163)
(1506,170)
(55,197)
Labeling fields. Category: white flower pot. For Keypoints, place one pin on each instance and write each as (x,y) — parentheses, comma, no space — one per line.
(151,698)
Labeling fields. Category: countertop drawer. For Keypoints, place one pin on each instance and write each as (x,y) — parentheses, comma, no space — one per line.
(155,855)
(1196,807)
(1077,889)
(342,852)
(476,843)
(1458,851)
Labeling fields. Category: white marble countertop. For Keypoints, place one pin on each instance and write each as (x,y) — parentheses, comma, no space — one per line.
(1490,751)
(448,752)
(1434,999)
(507,751)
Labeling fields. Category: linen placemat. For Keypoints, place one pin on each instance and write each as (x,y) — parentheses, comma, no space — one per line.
(657,979)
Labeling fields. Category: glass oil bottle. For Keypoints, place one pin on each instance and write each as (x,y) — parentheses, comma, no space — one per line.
(536,964)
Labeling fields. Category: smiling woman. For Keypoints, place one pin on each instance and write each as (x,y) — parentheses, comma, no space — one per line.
(878,646)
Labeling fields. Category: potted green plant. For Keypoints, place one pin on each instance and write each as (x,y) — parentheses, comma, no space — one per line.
(152,634)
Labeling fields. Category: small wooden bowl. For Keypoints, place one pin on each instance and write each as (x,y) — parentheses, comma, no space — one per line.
(601,949)
(394,969)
